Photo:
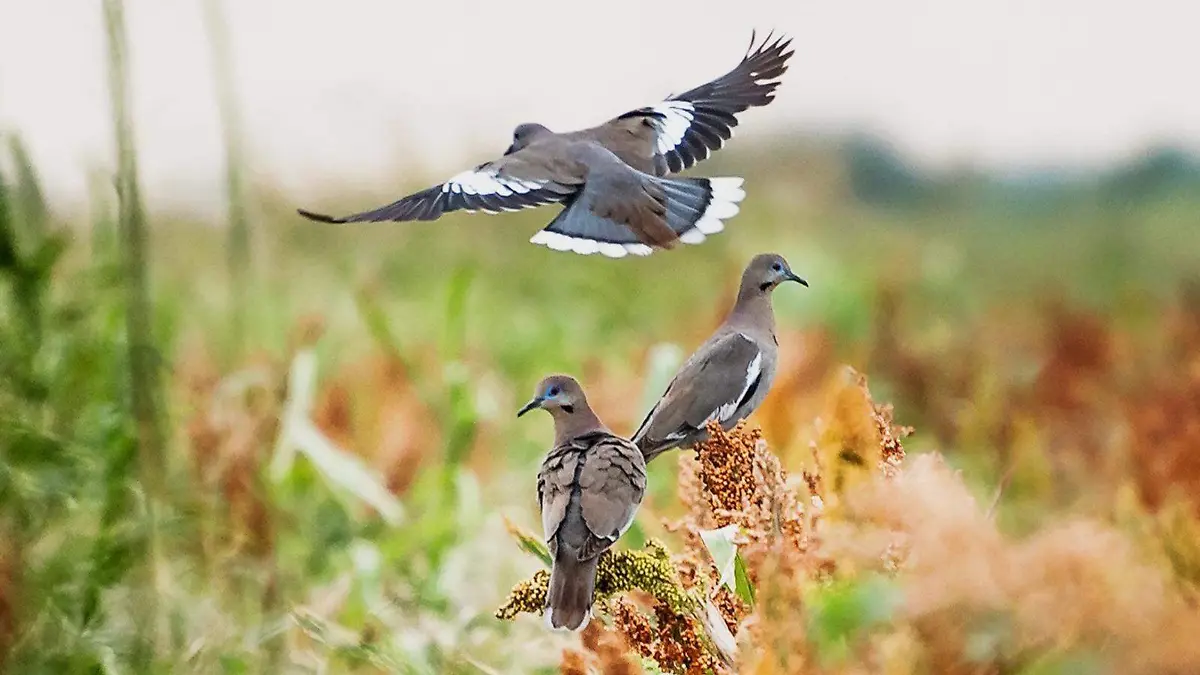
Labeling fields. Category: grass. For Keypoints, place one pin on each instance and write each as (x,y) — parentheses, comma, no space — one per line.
(1047,347)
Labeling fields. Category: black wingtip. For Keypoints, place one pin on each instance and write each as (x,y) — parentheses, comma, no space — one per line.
(320,217)
(780,44)
(750,48)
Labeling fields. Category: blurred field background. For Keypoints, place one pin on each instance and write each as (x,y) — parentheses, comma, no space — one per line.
(237,442)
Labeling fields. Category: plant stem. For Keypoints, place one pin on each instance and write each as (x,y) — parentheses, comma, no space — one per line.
(143,374)
(238,245)
(142,369)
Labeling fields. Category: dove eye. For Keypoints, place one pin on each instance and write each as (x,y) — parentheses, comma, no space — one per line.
(777,267)
(552,392)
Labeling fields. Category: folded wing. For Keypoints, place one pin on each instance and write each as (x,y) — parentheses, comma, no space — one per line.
(712,385)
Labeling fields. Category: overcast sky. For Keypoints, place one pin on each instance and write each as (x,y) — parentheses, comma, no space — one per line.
(354,91)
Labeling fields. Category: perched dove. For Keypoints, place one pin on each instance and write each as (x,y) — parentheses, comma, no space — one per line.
(589,487)
(729,375)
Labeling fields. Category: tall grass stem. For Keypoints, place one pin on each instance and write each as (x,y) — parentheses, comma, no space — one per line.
(143,373)
(238,244)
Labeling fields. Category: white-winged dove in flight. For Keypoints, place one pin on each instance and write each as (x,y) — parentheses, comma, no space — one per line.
(728,376)
(589,488)
(611,178)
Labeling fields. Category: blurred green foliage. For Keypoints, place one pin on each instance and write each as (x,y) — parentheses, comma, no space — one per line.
(843,612)
(475,315)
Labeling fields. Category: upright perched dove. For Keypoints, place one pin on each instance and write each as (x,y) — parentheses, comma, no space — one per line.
(589,488)
(728,376)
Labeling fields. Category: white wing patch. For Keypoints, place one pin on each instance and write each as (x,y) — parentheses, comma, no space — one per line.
(562,242)
(726,193)
(677,119)
(487,182)
(753,370)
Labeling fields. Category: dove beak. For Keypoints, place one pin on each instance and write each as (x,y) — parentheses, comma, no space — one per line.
(792,277)
(535,403)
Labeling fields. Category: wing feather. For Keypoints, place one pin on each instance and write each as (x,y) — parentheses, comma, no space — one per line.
(518,181)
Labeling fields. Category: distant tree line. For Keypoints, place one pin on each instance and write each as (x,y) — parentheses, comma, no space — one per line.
(880,175)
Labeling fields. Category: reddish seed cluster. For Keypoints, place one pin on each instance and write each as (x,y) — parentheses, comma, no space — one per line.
(724,459)
(672,640)
(606,653)
(573,663)
(733,478)
(891,451)
(229,436)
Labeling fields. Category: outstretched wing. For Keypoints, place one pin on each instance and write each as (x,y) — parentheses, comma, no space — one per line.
(513,182)
(688,127)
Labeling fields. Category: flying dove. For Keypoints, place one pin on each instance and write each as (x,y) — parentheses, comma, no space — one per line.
(612,178)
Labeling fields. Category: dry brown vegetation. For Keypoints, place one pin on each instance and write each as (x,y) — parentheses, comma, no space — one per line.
(1106,427)
(930,582)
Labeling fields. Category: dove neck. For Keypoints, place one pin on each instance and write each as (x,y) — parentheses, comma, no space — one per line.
(752,311)
(578,422)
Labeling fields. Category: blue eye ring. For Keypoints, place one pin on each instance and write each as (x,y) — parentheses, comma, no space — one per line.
(552,391)
(778,267)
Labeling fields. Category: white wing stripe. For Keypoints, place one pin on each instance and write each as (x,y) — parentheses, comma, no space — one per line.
(726,193)
(727,189)
(562,242)
(753,370)
(475,182)
(677,119)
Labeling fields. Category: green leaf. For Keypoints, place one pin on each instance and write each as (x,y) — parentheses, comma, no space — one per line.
(723,550)
(301,391)
(232,664)
(460,409)
(30,201)
(635,536)
(380,330)
(744,587)
(8,241)
(47,254)
(344,471)
(113,557)
(30,450)
(529,543)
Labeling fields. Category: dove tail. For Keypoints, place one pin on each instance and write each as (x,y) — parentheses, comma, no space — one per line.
(572,583)
(696,207)
(652,450)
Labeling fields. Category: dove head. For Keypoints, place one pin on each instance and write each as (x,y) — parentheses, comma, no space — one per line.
(764,273)
(524,134)
(559,395)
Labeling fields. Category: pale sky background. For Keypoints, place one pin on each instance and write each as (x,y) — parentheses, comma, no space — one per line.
(352,92)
